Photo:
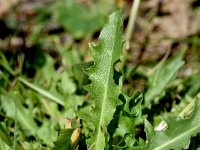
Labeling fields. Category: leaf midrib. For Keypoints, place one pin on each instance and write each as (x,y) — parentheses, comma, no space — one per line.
(106,88)
(178,137)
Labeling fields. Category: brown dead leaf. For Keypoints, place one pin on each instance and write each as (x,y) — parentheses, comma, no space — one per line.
(176,22)
(180,23)
(5,5)
(76,134)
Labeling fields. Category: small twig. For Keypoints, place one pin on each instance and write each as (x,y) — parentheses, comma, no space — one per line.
(131,22)
(129,29)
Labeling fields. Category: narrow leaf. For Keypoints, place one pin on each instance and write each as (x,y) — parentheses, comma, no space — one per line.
(41,91)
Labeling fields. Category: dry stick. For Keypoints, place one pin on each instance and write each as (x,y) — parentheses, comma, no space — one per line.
(131,22)
(130,28)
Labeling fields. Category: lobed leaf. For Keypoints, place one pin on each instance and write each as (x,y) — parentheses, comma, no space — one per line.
(104,91)
(177,134)
(130,115)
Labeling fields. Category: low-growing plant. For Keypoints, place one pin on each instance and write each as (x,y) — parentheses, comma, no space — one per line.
(109,118)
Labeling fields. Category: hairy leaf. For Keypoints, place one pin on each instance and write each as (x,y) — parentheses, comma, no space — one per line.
(161,77)
(104,91)
(177,134)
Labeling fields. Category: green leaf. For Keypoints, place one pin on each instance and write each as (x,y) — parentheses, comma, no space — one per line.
(77,19)
(129,117)
(177,134)
(194,84)
(4,63)
(162,76)
(23,116)
(5,137)
(47,132)
(133,106)
(66,84)
(79,75)
(72,103)
(64,140)
(7,140)
(41,91)
(104,91)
